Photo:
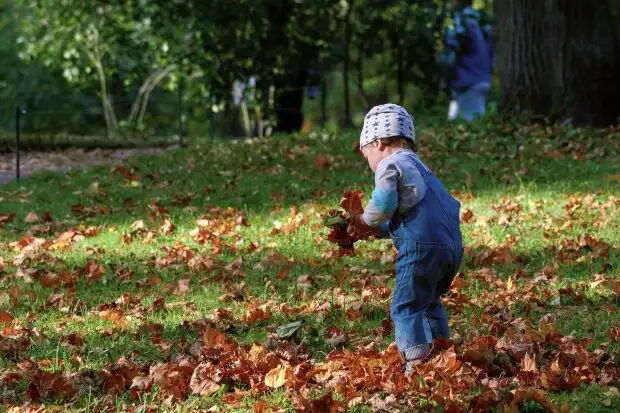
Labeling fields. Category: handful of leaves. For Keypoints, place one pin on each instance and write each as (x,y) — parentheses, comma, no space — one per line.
(338,221)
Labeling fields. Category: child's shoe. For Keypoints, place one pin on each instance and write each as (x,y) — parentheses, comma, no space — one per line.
(415,355)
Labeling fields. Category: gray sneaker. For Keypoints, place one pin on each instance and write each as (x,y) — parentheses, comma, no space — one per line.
(415,355)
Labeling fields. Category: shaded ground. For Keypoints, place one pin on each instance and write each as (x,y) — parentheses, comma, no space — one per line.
(36,161)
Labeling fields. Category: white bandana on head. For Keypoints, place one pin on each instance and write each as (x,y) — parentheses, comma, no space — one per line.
(387,121)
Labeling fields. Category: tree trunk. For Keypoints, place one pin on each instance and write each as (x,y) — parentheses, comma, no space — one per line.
(106,101)
(147,93)
(138,107)
(323,99)
(93,51)
(400,75)
(348,120)
(360,78)
(289,103)
(558,59)
(592,63)
(385,96)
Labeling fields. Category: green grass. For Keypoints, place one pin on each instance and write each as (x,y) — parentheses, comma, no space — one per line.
(494,168)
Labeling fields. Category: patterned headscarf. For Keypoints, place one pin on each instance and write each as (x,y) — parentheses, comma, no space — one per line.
(387,121)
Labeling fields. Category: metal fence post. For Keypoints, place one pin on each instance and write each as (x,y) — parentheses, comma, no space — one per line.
(18,115)
(181,114)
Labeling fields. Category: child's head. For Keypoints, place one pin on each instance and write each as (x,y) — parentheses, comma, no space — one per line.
(387,129)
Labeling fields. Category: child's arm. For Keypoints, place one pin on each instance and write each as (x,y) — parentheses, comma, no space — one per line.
(381,207)
(384,199)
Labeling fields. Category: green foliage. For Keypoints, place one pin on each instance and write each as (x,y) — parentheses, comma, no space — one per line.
(113,54)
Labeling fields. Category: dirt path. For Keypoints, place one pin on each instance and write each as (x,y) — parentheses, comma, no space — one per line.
(32,162)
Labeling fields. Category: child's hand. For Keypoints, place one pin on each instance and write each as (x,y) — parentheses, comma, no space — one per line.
(358,229)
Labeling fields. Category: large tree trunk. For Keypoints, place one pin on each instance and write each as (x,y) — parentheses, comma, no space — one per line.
(289,103)
(558,59)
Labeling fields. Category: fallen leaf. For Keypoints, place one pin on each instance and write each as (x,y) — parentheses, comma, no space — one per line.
(278,376)
(31,218)
(5,317)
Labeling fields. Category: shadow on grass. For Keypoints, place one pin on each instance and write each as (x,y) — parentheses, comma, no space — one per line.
(276,174)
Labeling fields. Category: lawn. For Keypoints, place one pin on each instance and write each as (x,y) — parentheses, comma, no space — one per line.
(201,279)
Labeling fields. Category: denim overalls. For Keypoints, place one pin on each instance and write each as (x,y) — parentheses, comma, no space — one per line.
(430,250)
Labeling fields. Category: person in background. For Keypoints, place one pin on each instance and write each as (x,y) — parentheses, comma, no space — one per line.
(468,60)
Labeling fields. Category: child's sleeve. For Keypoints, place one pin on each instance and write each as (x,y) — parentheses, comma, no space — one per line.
(384,199)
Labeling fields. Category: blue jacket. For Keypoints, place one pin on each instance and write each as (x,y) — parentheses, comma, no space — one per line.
(468,53)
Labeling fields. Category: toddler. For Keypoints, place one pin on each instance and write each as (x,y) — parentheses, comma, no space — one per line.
(412,206)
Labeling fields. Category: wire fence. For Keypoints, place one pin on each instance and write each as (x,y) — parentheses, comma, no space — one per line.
(163,120)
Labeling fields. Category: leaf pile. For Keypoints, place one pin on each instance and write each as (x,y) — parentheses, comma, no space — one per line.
(338,221)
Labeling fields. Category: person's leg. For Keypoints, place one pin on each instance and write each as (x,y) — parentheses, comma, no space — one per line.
(412,329)
(453,110)
(417,277)
(482,91)
(438,319)
(436,313)
(467,103)
(472,101)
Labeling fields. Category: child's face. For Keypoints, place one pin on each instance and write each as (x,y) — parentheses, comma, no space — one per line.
(374,153)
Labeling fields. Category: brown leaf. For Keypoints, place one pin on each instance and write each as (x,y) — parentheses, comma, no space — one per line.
(141,384)
(321,161)
(327,404)
(528,363)
(278,376)
(94,271)
(172,379)
(466,216)
(115,315)
(167,227)
(5,317)
(257,314)
(201,382)
(15,293)
(31,218)
(138,227)
(537,395)
(351,202)
(124,172)
(183,286)
(4,218)
(260,406)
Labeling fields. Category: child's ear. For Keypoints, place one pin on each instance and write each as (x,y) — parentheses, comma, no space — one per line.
(381,145)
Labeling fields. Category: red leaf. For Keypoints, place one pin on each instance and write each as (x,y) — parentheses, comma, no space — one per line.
(5,317)
(126,173)
(321,161)
(352,202)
